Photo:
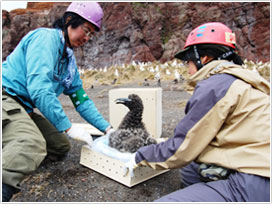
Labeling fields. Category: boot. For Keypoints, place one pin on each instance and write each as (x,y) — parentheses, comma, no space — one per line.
(7,192)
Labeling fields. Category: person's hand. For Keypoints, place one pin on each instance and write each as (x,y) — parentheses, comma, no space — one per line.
(130,166)
(111,130)
(80,134)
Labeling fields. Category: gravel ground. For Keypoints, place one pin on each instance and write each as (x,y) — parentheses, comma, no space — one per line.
(68,181)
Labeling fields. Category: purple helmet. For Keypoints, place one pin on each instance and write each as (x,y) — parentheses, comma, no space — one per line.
(91,11)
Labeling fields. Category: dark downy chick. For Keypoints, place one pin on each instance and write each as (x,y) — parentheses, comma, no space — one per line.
(131,133)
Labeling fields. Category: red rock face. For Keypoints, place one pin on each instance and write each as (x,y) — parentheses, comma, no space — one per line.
(134,31)
(40,5)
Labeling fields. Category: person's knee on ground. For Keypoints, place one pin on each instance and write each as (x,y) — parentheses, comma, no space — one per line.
(57,143)
(59,153)
(59,150)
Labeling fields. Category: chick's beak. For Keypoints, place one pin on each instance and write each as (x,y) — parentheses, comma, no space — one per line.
(122,100)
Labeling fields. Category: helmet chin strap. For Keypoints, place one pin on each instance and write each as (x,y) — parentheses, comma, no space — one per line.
(198,62)
(226,54)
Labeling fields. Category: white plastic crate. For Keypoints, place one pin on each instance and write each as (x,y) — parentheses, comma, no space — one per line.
(152,102)
(152,118)
(113,168)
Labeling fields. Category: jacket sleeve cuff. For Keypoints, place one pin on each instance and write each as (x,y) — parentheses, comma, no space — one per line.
(63,125)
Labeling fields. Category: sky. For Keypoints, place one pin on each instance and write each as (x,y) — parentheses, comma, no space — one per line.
(10,5)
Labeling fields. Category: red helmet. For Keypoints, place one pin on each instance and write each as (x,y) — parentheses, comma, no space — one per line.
(213,33)
(210,33)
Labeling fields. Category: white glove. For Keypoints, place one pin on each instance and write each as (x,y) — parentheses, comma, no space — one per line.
(80,134)
(111,130)
(130,166)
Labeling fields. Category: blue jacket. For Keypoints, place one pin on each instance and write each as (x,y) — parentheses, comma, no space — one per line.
(34,72)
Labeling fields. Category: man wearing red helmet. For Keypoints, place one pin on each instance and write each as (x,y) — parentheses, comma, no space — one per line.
(42,67)
(223,142)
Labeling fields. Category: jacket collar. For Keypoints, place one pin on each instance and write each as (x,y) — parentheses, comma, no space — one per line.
(224,66)
(206,71)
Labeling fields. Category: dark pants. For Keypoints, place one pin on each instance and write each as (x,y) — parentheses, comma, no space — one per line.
(239,187)
(56,143)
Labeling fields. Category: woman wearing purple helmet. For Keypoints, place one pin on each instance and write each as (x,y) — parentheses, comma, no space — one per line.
(42,67)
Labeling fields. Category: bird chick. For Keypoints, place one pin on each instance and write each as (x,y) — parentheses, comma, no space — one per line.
(131,133)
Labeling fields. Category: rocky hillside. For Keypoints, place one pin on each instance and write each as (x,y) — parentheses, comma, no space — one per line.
(147,32)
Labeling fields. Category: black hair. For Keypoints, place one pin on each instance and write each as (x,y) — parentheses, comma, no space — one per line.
(216,51)
(68,18)
(75,21)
